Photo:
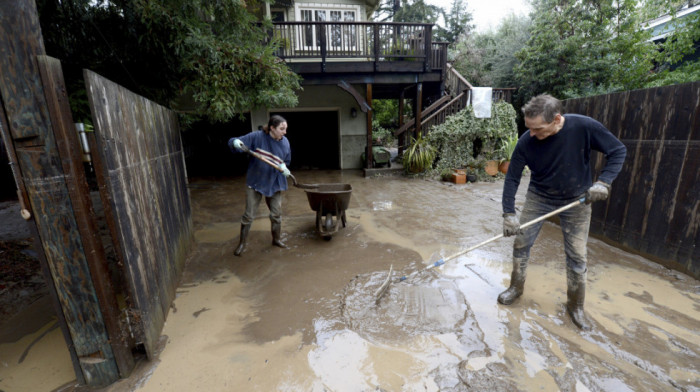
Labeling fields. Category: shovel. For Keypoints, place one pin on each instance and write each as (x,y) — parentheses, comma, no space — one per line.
(383,288)
(275,161)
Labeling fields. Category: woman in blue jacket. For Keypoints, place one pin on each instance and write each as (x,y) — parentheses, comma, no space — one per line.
(263,180)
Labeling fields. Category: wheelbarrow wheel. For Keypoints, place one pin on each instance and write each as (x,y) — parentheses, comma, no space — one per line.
(328,226)
(329,222)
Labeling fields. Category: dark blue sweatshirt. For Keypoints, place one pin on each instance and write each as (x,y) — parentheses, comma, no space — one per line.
(560,164)
(261,176)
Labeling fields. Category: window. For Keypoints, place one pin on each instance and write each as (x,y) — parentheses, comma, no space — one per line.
(339,37)
(278,15)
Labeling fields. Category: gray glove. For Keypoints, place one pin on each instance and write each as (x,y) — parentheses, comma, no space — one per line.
(511,224)
(598,191)
(238,145)
(284,170)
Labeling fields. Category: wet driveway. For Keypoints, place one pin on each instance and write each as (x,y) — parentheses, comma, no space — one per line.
(304,319)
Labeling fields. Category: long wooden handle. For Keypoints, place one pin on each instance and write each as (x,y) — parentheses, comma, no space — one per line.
(266,160)
(525,225)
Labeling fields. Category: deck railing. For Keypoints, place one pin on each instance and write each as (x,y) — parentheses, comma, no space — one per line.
(455,83)
(363,41)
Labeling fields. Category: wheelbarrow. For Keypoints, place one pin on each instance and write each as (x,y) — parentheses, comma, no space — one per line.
(330,202)
(380,156)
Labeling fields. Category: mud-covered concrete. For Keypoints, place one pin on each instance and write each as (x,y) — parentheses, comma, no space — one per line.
(304,319)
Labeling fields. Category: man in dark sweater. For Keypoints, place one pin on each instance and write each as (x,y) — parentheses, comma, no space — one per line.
(557,149)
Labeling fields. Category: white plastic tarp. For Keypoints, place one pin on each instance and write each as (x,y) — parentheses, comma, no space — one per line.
(481,101)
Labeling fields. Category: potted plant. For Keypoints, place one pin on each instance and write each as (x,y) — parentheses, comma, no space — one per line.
(490,161)
(507,148)
(419,156)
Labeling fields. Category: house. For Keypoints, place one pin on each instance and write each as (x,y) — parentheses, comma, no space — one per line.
(662,27)
(666,25)
(346,61)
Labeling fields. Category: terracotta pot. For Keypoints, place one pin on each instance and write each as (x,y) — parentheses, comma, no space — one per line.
(491,168)
(503,167)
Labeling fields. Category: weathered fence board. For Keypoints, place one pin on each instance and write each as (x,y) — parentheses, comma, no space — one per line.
(142,161)
(654,206)
(71,159)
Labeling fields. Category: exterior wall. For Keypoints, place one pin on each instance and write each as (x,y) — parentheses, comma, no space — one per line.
(258,117)
(353,131)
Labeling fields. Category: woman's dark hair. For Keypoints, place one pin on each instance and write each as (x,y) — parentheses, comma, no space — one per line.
(275,121)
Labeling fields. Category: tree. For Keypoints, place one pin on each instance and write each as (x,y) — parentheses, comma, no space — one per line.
(581,48)
(210,58)
(457,23)
(417,11)
(578,48)
(488,59)
(449,26)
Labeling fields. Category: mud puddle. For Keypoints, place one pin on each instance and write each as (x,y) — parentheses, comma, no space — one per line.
(304,319)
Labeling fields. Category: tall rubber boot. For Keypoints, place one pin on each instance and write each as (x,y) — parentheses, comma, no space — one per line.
(277,236)
(517,282)
(245,229)
(576,294)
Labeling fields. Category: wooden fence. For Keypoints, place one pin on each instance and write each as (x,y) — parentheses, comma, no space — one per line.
(654,206)
(141,174)
(141,171)
(40,137)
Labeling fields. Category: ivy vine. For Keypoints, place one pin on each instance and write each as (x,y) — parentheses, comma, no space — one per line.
(464,141)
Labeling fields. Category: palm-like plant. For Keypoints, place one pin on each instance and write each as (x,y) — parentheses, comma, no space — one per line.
(419,155)
(508,146)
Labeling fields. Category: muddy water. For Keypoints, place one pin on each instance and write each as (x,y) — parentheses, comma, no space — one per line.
(304,319)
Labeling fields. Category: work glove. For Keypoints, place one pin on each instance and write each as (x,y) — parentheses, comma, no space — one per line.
(238,145)
(598,191)
(284,170)
(511,224)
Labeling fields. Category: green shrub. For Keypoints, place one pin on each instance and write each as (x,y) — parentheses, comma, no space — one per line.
(383,135)
(464,140)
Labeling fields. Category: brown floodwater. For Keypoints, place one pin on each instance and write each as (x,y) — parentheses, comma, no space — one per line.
(305,319)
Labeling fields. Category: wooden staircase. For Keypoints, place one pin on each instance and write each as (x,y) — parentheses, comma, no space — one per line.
(457,97)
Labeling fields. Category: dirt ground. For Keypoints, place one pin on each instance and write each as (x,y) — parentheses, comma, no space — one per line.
(304,319)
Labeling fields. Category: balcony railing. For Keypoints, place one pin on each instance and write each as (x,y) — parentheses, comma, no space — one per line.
(360,41)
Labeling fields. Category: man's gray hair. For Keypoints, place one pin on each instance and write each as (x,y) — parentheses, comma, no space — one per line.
(545,105)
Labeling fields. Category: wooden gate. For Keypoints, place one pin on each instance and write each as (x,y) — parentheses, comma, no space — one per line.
(141,171)
(141,175)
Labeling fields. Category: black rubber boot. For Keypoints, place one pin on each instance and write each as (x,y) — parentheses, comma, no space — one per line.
(576,294)
(517,282)
(245,229)
(277,236)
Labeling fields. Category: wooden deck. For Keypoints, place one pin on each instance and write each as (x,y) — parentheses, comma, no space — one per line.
(363,49)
